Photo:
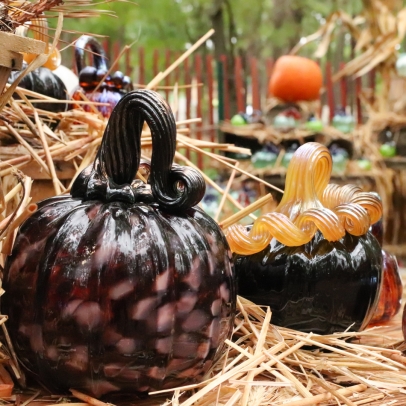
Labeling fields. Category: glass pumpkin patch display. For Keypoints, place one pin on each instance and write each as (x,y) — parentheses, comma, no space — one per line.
(312,260)
(123,286)
(95,86)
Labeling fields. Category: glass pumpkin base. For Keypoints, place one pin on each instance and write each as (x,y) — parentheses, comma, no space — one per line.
(321,287)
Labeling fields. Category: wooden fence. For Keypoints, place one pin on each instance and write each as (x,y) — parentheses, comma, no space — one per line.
(216,90)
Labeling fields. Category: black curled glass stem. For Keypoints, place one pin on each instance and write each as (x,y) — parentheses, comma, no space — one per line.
(99,57)
(111,177)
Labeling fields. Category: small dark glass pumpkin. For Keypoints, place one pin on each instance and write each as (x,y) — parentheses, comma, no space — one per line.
(124,286)
(312,260)
(44,81)
(113,87)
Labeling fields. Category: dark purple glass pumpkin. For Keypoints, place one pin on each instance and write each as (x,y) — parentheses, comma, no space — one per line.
(124,286)
(110,89)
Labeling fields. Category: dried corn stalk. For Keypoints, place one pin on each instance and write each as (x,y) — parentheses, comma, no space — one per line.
(378,33)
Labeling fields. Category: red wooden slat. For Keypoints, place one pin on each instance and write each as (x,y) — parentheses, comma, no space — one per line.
(128,65)
(155,62)
(269,70)
(141,66)
(177,76)
(106,46)
(227,112)
(343,88)
(256,97)
(358,85)
(239,84)
(188,92)
(330,90)
(116,53)
(167,79)
(179,68)
(210,91)
(198,74)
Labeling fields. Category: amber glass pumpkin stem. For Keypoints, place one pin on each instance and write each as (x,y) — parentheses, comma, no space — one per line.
(118,160)
(309,204)
(99,56)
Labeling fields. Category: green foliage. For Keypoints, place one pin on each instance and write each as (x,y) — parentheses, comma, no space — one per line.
(256,27)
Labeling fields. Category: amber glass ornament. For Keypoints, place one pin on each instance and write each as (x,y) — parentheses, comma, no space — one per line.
(390,298)
(123,286)
(39,28)
(94,84)
(312,260)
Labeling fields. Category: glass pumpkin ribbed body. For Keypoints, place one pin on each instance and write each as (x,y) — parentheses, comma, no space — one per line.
(105,297)
(320,287)
(124,286)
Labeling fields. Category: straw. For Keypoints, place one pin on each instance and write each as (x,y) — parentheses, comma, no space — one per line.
(48,157)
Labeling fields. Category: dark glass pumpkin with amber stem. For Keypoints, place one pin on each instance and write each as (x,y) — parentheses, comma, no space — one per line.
(123,286)
(95,86)
(312,260)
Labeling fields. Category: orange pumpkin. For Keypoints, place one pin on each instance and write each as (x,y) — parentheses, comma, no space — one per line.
(295,78)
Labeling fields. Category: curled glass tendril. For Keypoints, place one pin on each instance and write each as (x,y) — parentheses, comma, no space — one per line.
(309,204)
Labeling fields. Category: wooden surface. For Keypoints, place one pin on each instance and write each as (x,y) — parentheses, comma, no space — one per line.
(11,45)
